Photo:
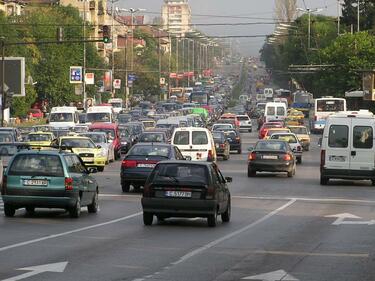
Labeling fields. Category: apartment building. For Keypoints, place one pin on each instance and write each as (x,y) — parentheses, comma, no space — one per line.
(176,16)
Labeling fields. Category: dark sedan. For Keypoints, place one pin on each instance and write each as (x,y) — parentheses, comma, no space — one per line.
(148,136)
(186,189)
(271,156)
(221,144)
(234,139)
(141,160)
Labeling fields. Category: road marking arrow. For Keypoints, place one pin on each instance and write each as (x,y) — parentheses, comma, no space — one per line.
(272,276)
(38,269)
(341,219)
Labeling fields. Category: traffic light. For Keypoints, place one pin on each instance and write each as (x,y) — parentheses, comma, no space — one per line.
(106,33)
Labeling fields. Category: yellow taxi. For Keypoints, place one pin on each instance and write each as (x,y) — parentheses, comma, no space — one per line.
(291,122)
(92,155)
(296,115)
(302,134)
(40,139)
(272,131)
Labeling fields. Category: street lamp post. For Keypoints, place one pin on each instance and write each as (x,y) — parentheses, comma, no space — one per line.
(309,12)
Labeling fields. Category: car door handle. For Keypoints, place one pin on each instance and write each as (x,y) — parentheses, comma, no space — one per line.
(353,153)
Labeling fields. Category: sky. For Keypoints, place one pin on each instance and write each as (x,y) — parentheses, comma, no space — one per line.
(206,11)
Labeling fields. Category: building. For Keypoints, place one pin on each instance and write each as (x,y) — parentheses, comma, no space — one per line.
(176,16)
(11,8)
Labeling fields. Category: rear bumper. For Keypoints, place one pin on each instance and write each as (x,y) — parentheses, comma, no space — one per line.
(179,207)
(348,174)
(138,177)
(268,167)
(235,146)
(20,201)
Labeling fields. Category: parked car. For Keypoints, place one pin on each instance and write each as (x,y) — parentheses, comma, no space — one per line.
(186,189)
(222,145)
(271,156)
(294,144)
(141,159)
(49,179)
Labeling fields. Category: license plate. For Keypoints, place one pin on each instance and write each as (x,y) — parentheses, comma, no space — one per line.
(337,158)
(146,165)
(270,157)
(182,194)
(85,159)
(217,145)
(35,182)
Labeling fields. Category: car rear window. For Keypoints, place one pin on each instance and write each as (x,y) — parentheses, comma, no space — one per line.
(39,137)
(36,165)
(181,138)
(199,137)
(299,130)
(271,110)
(287,138)
(243,118)
(150,150)
(151,137)
(8,150)
(338,136)
(273,146)
(181,173)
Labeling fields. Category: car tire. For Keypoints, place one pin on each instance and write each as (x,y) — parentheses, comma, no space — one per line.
(125,187)
(291,173)
(75,211)
(251,173)
(9,210)
(299,160)
(94,206)
(100,169)
(30,210)
(117,155)
(147,218)
(212,219)
(225,217)
(324,180)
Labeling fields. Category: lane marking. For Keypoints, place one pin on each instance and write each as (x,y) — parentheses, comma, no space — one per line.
(306,199)
(288,253)
(25,243)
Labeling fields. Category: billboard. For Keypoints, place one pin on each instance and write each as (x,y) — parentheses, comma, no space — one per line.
(14,76)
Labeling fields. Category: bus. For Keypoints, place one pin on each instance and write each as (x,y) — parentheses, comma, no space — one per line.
(303,101)
(200,97)
(323,107)
(286,94)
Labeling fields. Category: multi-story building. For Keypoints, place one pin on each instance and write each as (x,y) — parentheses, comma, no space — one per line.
(176,15)
(11,7)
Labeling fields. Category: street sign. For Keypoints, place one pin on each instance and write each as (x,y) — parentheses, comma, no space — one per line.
(132,77)
(75,74)
(130,83)
(89,78)
(14,76)
(117,83)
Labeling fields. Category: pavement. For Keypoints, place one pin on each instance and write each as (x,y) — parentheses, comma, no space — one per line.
(281,229)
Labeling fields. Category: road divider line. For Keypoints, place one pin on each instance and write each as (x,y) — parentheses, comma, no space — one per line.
(25,243)
(340,200)
(287,253)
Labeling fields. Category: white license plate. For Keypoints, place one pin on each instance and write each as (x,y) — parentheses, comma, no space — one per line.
(270,157)
(35,182)
(146,165)
(182,194)
(337,158)
(85,159)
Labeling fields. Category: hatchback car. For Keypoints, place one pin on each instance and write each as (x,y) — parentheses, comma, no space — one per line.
(271,156)
(186,189)
(48,179)
(141,159)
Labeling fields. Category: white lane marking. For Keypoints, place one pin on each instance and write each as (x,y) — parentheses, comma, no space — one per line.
(272,276)
(25,243)
(340,219)
(232,234)
(306,199)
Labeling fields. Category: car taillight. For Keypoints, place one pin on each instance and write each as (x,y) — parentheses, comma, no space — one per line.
(210,193)
(299,148)
(287,157)
(252,156)
(238,138)
(5,182)
(322,159)
(210,156)
(68,184)
(129,164)
(222,145)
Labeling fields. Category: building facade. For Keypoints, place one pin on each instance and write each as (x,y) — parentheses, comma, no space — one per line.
(176,16)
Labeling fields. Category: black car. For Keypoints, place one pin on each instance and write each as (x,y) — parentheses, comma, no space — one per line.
(151,136)
(271,156)
(234,139)
(126,139)
(186,189)
(140,161)
(221,144)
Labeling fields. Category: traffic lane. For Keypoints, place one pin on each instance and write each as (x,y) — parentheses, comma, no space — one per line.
(46,222)
(127,249)
(300,240)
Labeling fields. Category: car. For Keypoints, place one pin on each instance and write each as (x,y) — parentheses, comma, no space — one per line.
(266,126)
(127,140)
(245,123)
(124,118)
(186,189)
(272,131)
(15,132)
(35,113)
(7,150)
(234,139)
(222,145)
(219,126)
(231,116)
(271,156)
(49,179)
(303,136)
(149,136)
(113,135)
(141,159)
(39,139)
(293,141)
(100,139)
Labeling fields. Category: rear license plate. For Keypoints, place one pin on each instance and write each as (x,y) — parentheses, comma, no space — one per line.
(146,165)
(270,157)
(182,194)
(35,182)
(337,158)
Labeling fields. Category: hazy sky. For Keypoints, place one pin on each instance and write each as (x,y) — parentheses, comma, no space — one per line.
(248,10)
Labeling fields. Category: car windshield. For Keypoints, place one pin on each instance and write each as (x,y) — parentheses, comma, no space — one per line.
(124,118)
(109,132)
(96,138)
(181,138)
(6,137)
(61,117)
(150,150)
(217,135)
(221,126)
(287,138)
(181,173)
(98,117)
(151,137)
(78,143)
(270,146)
(271,132)
(243,118)
(39,137)
(8,150)
(36,165)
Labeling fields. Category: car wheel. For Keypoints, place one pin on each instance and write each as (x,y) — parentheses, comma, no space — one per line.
(117,155)
(125,187)
(100,168)
(137,188)
(212,220)
(324,180)
(75,211)
(225,217)
(291,173)
(9,210)
(251,173)
(148,218)
(30,210)
(94,206)
(299,160)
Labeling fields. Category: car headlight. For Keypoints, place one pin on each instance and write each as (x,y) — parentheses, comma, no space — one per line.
(102,153)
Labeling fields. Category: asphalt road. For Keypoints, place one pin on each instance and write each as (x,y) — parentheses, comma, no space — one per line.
(279,226)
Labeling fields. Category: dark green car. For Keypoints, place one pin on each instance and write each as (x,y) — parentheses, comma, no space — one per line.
(48,179)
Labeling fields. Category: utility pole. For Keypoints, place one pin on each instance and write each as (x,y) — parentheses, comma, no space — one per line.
(338,17)
(309,12)
(84,56)
(358,20)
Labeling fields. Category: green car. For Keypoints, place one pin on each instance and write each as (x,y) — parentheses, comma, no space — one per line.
(49,179)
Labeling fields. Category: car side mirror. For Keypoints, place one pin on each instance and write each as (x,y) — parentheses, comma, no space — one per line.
(228,179)
(250,148)
(92,170)
(98,146)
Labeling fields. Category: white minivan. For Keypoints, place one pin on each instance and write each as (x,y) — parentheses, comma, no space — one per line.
(275,111)
(196,144)
(347,147)
(102,114)
(63,117)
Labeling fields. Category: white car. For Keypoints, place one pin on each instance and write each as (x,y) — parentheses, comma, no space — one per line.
(245,123)
(223,126)
(100,138)
(293,141)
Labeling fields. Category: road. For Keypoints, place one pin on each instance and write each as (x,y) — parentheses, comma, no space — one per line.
(278,224)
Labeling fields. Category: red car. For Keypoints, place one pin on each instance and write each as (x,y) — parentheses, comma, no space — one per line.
(113,134)
(266,126)
(35,113)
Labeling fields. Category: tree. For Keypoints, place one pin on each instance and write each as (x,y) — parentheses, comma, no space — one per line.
(367,13)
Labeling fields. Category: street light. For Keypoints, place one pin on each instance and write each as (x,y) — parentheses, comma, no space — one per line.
(357,5)
(309,11)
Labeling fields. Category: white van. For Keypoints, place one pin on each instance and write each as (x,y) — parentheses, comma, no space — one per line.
(268,93)
(102,114)
(275,111)
(196,144)
(117,104)
(63,117)
(347,147)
